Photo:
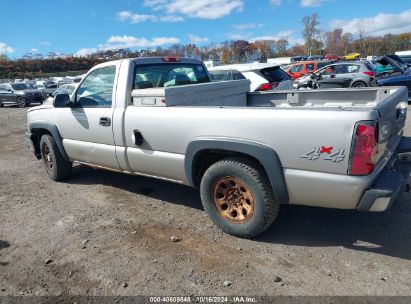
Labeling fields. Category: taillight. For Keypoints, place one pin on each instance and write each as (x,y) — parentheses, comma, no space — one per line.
(267,86)
(365,148)
(371,74)
(171,59)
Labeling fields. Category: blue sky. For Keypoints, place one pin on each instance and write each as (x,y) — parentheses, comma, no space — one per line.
(84,26)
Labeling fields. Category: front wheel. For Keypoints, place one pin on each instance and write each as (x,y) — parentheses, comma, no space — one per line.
(56,166)
(237,195)
(21,103)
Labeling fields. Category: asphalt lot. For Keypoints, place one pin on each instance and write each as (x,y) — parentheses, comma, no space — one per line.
(104,233)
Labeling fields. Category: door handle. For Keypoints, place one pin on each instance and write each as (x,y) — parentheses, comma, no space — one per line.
(105,122)
(138,138)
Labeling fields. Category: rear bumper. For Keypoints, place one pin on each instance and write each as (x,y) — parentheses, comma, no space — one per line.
(391,183)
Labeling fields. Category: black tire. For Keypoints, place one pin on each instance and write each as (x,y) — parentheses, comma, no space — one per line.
(252,175)
(1,105)
(21,103)
(56,166)
(359,84)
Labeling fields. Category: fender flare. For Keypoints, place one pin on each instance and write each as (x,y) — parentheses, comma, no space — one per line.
(267,157)
(53,130)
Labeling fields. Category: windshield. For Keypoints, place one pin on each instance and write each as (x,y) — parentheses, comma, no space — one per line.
(19,86)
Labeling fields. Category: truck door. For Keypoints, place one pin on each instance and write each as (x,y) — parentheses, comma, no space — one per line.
(86,128)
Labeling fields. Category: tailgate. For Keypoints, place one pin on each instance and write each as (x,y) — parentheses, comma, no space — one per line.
(392,112)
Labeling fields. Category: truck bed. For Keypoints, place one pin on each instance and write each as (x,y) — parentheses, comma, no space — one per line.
(344,99)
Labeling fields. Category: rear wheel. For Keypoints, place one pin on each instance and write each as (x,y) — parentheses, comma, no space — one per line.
(1,105)
(21,103)
(56,166)
(237,196)
(359,84)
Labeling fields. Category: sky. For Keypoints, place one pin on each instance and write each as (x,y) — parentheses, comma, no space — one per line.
(84,26)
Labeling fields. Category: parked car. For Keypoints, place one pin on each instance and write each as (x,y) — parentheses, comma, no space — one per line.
(19,94)
(64,89)
(400,76)
(381,69)
(48,88)
(338,75)
(351,56)
(331,57)
(263,76)
(405,56)
(303,68)
(278,148)
(315,57)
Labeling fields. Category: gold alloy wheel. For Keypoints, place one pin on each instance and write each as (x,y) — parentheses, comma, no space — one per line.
(233,199)
(48,158)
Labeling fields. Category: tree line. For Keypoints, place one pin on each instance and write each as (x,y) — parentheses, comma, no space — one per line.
(236,51)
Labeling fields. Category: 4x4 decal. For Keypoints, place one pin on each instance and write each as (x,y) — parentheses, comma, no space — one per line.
(334,156)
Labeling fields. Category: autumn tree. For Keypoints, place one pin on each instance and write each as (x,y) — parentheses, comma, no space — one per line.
(310,31)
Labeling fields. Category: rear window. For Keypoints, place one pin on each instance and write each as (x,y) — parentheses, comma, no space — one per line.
(275,74)
(322,64)
(168,74)
(221,75)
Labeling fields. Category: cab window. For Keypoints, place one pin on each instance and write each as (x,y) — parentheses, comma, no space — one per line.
(168,74)
(96,91)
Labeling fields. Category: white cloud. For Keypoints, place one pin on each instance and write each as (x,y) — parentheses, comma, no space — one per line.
(171,18)
(131,42)
(34,50)
(276,2)
(378,25)
(196,39)
(288,34)
(124,42)
(4,48)
(45,43)
(247,26)
(205,9)
(311,3)
(128,16)
(279,35)
(84,52)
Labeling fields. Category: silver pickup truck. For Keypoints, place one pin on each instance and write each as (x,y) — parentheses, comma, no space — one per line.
(248,153)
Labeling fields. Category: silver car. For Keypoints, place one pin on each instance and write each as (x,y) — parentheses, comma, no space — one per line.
(361,74)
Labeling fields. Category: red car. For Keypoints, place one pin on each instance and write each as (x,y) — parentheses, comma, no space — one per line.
(332,57)
(303,68)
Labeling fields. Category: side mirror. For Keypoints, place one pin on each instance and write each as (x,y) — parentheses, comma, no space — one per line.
(62,101)
(332,76)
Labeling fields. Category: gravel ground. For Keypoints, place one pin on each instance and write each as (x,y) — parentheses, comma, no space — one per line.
(104,233)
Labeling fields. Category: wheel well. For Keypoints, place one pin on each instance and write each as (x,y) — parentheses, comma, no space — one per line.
(205,158)
(358,81)
(36,137)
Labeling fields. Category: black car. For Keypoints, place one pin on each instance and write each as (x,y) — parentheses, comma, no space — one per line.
(401,76)
(19,94)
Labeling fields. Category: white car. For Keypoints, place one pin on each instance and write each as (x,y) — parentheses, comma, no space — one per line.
(263,76)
